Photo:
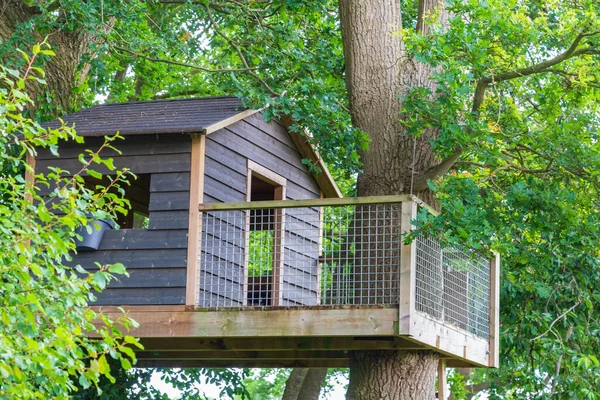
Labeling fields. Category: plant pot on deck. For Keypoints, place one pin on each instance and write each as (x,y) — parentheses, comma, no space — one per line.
(90,241)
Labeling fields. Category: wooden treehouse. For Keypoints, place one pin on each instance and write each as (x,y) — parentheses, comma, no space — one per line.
(240,256)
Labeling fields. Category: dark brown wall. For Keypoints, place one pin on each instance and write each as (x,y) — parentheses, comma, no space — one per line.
(227,152)
(156,257)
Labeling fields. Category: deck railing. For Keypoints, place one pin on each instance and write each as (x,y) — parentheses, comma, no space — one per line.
(336,252)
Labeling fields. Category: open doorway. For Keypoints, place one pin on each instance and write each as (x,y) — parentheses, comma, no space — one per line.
(264,238)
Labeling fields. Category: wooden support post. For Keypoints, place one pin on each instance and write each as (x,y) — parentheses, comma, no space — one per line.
(29,176)
(407,270)
(442,379)
(195,221)
(495,311)
(320,251)
(278,249)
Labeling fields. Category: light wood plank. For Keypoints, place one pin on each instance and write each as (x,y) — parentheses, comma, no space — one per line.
(228,121)
(320,251)
(278,248)
(280,343)
(253,205)
(449,340)
(495,312)
(442,381)
(315,363)
(139,309)
(266,174)
(271,323)
(195,222)
(29,175)
(307,150)
(407,270)
(242,355)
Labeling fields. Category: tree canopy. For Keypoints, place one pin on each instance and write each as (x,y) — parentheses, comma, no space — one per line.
(511,95)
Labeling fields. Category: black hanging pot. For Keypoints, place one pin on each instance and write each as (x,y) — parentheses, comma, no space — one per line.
(91,241)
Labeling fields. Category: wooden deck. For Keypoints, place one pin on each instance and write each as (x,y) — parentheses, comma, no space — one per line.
(319,337)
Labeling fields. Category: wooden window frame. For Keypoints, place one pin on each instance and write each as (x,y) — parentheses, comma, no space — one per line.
(279,183)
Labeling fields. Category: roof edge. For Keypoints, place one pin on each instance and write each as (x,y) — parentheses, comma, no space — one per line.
(229,121)
(307,150)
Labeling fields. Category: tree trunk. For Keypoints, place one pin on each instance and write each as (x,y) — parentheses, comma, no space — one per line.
(61,71)
(304,384)
(404,375)
(378,74)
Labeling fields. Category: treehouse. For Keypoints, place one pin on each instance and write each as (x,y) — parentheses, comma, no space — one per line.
(241,255)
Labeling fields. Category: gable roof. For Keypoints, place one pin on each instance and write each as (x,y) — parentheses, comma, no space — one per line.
(184,116)
(152,117)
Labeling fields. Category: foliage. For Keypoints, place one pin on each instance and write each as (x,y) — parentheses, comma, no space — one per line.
(260,252)
(44,350)
(526,184)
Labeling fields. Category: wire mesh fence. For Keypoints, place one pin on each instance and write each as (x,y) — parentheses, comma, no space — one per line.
(307,256)
(332,256)
(453,285)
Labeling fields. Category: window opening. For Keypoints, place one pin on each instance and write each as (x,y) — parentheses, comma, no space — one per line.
(264,232)
(138,194)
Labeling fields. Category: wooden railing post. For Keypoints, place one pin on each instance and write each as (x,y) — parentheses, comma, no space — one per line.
(407,270)
(495,311)
(195,221)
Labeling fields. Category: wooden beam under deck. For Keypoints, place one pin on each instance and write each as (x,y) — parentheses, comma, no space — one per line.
(316,363)
(264,323)
(289,337)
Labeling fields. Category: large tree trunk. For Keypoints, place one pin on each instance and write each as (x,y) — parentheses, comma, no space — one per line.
(378,74)
(403,375)
(62,71)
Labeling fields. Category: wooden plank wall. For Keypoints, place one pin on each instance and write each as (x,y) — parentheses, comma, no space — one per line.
(155,257)
(227,152)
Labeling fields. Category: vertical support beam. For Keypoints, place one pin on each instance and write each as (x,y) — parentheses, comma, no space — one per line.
(320,251)
(495,311)
(278,249)
(195,222)
(407,270)
(29,175)
(442,379)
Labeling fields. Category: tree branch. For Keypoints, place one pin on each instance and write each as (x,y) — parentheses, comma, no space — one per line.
(483,83)
(239,52)
(561,316)
(420,182)
(182,64)
(543,66)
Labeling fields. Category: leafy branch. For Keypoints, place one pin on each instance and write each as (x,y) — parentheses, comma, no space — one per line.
(182,64)
(574,50)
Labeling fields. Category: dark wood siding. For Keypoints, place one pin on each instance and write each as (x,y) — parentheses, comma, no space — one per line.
(155,257)
(227,152)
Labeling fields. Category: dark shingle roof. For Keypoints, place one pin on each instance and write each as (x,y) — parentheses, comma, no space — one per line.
(152,117)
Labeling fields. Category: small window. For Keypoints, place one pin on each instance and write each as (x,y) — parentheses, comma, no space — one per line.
(138,194)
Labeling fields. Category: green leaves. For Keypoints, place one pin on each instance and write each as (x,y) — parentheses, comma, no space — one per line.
(44,348)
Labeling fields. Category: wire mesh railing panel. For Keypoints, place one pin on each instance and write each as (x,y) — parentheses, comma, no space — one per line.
(303,256)
(223,259)
(453,285)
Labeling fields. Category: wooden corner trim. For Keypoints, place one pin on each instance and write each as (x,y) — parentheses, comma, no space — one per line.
(195,222)
(307,150)
(229,121)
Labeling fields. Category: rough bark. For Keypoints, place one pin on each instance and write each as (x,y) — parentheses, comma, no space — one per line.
(304,384)
(382,375)
(379,73)
(61,70)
